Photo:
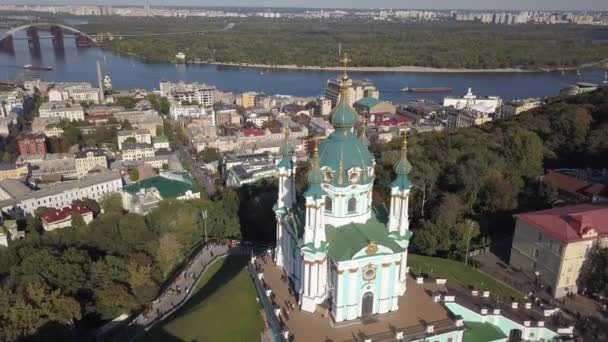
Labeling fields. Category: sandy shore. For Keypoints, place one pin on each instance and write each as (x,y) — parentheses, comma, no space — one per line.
(375,69)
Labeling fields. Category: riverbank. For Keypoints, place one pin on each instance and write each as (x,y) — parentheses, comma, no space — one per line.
(406,68)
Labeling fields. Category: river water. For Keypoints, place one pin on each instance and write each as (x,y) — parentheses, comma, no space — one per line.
(72,64)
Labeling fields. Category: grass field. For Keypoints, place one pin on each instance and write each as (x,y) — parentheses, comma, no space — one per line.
(223,308)
(456,272)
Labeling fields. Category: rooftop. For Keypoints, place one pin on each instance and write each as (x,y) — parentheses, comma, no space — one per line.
(416,309)
(368,102)
(169,185)
(571,223)
(57,215)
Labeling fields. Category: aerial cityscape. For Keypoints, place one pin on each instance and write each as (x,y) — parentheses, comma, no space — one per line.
(189,173)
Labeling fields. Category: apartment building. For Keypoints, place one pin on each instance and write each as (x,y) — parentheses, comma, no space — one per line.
(62,110)
(87,160)
(137,151)
(552,245)
(357,89)
(18,199)
(141,136)
(189,92)
(61,218)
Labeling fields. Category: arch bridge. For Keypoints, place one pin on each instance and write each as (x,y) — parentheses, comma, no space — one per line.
(57,30)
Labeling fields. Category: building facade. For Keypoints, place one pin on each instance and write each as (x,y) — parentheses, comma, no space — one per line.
(136,151)
(62,110)
(337,248)
(61,218)
(140,136)
(30,143)
(189,92)
(86,160)
(357,90)
(552,245)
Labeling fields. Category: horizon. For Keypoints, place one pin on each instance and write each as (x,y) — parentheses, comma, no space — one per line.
(431,5)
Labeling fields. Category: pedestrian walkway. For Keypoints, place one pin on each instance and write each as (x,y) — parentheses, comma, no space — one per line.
(179,290)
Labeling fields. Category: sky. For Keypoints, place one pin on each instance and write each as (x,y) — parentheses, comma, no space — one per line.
(428,4)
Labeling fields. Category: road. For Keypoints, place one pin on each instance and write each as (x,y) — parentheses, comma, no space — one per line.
(190,162)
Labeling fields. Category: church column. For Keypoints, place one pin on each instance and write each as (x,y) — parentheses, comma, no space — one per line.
(278,257)
(339,297)
(385,297)
(354,309)
(306,280)
(314,279)
(397,287)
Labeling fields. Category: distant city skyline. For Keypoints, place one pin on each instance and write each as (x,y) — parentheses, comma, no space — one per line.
(581,5)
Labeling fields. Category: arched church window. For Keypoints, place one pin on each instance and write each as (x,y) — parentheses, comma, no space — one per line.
(328,204)
(352,205)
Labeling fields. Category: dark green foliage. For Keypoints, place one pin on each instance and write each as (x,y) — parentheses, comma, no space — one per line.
(368,42)
(84,275)
(487,173)
(210,154)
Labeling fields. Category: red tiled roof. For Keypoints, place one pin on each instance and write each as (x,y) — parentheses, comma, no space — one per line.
(252,131)
(395,121)
(569,224)
(63,213)
(564,182)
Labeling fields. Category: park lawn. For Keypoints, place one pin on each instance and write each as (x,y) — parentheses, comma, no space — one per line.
(223,308)
(456,272)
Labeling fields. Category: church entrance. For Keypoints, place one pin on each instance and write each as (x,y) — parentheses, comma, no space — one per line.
(367,304)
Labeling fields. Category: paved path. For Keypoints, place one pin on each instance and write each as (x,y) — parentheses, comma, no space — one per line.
(179,290)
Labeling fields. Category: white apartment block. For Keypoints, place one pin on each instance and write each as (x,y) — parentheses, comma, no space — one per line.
(62,110)
(87,160)
(132,151)
(141,136)
(16,198)
(179,110)
(357,90)
(77,92)
(482,104)
(10,100)
(188,92)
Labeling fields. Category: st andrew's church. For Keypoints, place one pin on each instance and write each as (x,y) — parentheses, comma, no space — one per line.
(337,249)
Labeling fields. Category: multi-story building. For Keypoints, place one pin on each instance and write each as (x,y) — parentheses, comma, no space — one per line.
(76,92)
(482,104)
(141,136)
(11,101)
(552,245)
(248,99)
(180,110)
(357,89)
(229,117)
(324,106)
(13,171)
(30,143)
(516,107)
(189,92)
(47,126)
(87,160)
(61,218)
(463,118)
(145,195)
(141,119)
(62,110)
(137,151)
(50,167)
(17,199)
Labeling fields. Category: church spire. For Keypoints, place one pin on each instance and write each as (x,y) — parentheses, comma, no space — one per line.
(343,116)
(315,176)
(402,168)
(363,132)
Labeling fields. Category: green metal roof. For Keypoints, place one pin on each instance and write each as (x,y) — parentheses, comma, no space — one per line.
(348,240)
(342,151)
(368,102)
(173,187)
(482,332)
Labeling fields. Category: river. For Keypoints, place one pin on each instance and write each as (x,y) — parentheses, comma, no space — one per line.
(72,64)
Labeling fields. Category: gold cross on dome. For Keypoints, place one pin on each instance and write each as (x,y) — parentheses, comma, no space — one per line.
(345,60)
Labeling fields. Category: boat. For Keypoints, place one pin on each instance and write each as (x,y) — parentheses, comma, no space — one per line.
(427,90)
(34,67)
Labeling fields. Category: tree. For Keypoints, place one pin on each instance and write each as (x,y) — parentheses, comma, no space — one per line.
(593,277)
(210,154)
(36,307)
(77,221)
(125,101)
(134,175)
(272,124)
(168,253)
(126,124)
(112,203)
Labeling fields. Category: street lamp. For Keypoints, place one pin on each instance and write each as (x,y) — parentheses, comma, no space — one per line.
(205,224)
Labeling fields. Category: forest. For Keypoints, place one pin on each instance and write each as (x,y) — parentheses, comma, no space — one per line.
(58,285)
(369,43)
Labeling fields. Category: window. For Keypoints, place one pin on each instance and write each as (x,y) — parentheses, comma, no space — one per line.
(352,205)
(328,205)
(540,237)
(536,252)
